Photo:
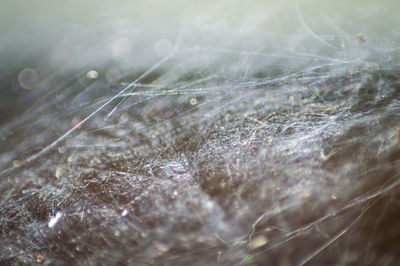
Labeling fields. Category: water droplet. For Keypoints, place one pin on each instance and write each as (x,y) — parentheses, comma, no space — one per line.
(258,242)
(193,101)
(27,78)
(55,219)
(124,212)
(92,74)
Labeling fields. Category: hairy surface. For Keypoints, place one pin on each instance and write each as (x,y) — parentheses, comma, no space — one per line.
(212,156)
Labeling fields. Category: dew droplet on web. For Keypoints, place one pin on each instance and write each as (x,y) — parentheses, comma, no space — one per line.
(193,101)
(92,74)
(258,242)
(27,78)
(124,212)
(54,220)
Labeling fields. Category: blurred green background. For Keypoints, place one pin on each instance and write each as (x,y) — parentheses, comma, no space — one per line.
(27,27)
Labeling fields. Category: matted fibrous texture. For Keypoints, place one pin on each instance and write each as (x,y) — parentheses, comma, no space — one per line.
(233,142)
